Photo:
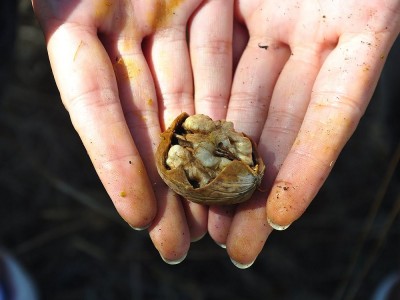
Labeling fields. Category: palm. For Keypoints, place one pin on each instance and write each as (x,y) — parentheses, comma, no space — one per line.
(302,84)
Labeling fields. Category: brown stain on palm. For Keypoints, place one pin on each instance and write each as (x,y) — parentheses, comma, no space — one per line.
(77,50)
(162,12)
(102,9)
(127,68)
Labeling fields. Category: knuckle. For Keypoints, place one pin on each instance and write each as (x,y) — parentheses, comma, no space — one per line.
(285,122)
(216,47)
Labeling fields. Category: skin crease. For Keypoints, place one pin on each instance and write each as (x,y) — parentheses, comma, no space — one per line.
(295,76)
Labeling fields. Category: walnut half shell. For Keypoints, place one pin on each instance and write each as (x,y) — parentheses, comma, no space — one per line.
(207,161)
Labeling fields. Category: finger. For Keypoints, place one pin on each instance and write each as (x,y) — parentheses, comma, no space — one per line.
(169,230)
(288,105)
(168,55)
(255,77)
(211,53)
(220,219)
(86,81)
(254,80)
(196,217)
(137,93)
(166,51)
(340,95)
(287,108)
(249,232)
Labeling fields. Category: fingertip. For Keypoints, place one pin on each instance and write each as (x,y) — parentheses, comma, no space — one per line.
(169,231)
(172,248)
(137,210)
(196,217)
(282,207)
(248,233)
(175,252)
(219,222)
(279,219)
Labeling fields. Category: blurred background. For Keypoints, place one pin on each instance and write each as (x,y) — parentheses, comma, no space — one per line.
(58,223)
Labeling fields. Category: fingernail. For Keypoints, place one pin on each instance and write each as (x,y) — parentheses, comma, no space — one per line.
(276,226)
(174,262)
(242,266)
(198,238)
(140,228)
(223,246)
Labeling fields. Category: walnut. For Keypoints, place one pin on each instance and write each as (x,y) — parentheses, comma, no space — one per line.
(207,161)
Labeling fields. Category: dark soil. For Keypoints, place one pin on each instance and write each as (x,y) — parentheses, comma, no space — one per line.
(57,220)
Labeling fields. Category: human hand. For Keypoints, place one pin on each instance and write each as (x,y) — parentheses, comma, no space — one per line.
(124,72)
(300,88)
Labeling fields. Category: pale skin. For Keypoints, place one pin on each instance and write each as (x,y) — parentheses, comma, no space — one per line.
(295,76)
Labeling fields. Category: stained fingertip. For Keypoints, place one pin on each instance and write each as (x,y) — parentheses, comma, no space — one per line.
(136,205)
(241,265)
(283,206)
(174,261)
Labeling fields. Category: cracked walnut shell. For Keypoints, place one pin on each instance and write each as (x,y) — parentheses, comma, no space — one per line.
(207,161)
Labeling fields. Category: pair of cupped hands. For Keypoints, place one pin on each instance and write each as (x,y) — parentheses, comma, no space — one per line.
(295,76)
